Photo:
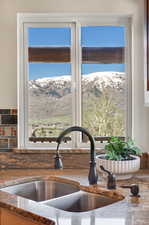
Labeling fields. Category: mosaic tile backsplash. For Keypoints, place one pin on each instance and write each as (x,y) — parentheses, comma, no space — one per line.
(8,128)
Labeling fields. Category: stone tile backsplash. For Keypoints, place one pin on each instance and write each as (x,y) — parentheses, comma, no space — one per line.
(5,111)
(8,128)
(8,119)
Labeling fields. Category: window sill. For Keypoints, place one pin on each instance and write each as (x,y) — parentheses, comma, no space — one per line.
(52,151)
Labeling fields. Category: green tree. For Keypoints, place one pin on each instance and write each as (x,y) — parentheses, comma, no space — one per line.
(103,117)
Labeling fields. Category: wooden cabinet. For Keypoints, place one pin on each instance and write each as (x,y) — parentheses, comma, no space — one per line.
(10,218)
(146,76)
(147,40)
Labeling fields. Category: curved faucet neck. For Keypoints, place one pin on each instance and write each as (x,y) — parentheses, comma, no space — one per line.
(92,172)
(83,130)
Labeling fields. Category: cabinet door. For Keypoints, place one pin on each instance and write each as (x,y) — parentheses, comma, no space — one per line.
(9,218)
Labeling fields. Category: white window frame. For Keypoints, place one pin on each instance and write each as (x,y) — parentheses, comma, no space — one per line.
(25,20)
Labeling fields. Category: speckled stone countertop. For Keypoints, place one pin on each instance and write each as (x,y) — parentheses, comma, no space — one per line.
(124,212)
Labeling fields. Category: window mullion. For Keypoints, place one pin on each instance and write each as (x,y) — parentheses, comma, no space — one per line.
(73,82)
(26,94)
(78,81)
(20,95)
(128,71)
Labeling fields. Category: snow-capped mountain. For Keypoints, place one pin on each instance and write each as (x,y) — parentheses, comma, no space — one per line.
(61,86)
(46,81)
(105,79)
(53,94)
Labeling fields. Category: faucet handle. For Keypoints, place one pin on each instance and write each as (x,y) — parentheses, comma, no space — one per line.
(107,171)
(111,183)
(134,189)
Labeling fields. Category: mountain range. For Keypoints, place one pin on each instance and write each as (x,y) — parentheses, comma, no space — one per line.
(51,96)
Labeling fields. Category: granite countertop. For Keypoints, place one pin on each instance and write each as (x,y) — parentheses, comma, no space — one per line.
(124,212)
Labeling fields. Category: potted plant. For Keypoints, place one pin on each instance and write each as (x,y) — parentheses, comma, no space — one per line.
(121,158)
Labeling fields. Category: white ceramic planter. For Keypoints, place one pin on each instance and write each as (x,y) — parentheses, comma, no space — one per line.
(122,169)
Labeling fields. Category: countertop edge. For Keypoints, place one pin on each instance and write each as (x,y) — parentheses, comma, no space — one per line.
(27,214)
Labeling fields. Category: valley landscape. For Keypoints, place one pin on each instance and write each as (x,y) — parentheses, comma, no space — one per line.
(103,104)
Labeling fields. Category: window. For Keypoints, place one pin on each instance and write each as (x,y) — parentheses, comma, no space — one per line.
(49,84)
(73,71)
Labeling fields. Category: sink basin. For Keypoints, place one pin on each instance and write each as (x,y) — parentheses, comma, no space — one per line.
(80,202)
(41,190)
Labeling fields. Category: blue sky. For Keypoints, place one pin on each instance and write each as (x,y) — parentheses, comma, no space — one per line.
(103,36)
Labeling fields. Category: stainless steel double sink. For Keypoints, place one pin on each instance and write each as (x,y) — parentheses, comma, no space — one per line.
(64,196)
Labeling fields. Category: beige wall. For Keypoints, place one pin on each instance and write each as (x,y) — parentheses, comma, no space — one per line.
(8,46)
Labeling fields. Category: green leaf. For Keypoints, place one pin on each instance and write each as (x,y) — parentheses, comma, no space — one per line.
(118,149)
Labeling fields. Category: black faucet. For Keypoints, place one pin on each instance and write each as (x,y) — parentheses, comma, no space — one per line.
(92,177)
(111,183)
